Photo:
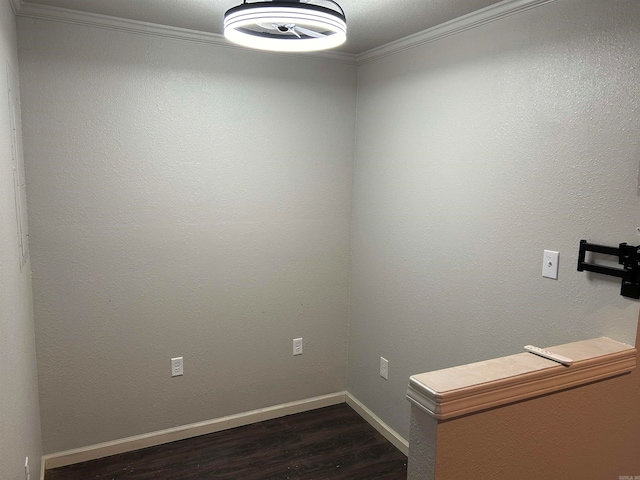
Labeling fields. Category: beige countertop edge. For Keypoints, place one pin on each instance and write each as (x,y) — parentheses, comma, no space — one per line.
(511,388)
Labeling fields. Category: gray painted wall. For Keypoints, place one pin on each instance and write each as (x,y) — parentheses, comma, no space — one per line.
(185,200)
(474,154)
(181,204)
(19,416)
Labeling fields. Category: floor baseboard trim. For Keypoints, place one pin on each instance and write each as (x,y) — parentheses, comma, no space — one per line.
(389,433)
(137,442)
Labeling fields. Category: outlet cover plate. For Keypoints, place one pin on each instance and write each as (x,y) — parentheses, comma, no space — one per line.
(384,368)
(177,366)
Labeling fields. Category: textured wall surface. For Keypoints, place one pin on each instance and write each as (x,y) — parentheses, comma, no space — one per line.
(423,439)
(195,200)
(474,154)
(19,415)
(185,200)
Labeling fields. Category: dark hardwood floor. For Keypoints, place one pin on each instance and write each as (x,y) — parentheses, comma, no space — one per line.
(328,443)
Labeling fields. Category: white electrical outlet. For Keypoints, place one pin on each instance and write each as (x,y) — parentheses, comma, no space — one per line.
(27,475)
(297,346)
(384,368)
(550,264)
(177,366)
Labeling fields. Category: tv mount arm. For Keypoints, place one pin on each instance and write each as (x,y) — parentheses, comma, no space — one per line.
(628,257)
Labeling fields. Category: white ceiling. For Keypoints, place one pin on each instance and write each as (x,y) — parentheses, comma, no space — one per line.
(371,23)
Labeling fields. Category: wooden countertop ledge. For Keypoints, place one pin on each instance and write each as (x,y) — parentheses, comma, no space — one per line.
(465,389)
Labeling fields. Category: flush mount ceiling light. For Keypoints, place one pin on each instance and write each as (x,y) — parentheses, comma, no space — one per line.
(286,25)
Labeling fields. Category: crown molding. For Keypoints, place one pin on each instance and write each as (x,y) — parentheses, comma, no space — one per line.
(453,27)
(64,15)
(15,6)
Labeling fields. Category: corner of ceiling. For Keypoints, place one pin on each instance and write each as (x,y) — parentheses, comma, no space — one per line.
(16,5)
(457,25)
(58,14)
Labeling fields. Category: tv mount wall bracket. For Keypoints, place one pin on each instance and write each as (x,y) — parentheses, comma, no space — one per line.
(628,257)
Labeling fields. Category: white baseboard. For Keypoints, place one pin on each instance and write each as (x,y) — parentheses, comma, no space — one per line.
(137,442)
(387,432)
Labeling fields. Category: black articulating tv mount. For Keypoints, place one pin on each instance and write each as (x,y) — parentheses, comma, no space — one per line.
(628,257)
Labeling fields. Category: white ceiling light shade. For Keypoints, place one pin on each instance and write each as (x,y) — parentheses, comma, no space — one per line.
(286,25)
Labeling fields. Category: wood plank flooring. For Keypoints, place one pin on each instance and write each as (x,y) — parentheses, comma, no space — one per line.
(327,443)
